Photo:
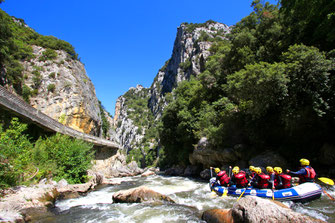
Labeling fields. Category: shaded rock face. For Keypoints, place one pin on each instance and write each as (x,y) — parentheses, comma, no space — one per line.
(140,195)
(203,154)
(268,158)
(63,91)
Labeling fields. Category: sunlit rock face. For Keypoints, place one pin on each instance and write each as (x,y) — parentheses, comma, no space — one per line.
(190,51)
(64,91)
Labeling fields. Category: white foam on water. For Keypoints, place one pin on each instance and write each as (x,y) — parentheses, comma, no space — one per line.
(311,212)
(89,201)
(173,185)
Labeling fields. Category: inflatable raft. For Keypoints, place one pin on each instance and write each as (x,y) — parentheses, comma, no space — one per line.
(302,193)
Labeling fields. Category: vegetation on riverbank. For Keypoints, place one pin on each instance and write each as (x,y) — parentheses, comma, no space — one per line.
(269,85)
(25,161)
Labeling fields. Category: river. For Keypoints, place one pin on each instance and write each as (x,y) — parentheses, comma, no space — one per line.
(192,197)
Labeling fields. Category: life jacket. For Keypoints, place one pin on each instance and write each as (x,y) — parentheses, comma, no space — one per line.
(263,181)
(286,180)
(241,180)
(223,178)
(309,176)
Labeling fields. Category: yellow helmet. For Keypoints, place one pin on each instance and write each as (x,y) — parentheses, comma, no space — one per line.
(258,170)
(278,170)
(251,168)
(217,170)
(304,162)
(269,169)
(236,169)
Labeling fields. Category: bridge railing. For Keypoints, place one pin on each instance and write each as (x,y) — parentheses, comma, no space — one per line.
(15,104)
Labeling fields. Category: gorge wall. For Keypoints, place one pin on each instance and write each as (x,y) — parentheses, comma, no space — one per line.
(190,51)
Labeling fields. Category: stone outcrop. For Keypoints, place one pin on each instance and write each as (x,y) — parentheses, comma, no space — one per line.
(63,91)
(140,195)
(203,154)
(112,163)
(254,209)
(268,158)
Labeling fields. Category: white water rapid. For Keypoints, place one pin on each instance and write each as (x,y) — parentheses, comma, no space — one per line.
(192,197)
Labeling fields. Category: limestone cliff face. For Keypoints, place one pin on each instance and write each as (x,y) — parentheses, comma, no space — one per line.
(190,51)
(62,90)
(130,128)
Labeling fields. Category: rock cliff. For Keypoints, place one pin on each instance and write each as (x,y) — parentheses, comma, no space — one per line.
(62,90)
(190,51)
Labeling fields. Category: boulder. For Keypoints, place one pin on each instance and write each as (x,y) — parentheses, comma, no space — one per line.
(205,174)
(148,173)
(191,171)
(175,171)
(269,158)
(217,216)
(140,195)
(255,209)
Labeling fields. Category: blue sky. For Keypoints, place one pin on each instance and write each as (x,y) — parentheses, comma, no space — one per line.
(122,43)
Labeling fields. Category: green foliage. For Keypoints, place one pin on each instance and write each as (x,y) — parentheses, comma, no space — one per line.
(26,93)
(52,75)
(309,22)
(48,54)
(63,157)
(262,87)
(186,65)
(15,153)
(57,156)
(51,88)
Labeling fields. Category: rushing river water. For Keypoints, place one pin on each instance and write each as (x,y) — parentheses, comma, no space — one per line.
(192,197)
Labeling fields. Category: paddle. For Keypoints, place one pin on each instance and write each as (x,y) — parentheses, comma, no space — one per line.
(213,194)
(246,188)
(329,182)
(273,193)
(326,181)
(242,194)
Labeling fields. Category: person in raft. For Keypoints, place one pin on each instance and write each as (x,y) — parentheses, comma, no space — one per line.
(238,178)
(261,180)
(250,173)
(281,180)
(272,175)
(222,177)
(306,172)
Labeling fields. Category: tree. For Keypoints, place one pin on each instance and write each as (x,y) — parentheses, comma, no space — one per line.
(310,22)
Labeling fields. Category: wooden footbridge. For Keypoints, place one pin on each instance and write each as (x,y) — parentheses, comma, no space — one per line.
(22,109)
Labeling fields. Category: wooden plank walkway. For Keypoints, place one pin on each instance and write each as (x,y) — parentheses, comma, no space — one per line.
(17,105)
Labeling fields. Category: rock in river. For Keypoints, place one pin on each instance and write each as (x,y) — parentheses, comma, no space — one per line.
(140,195)
(254,209)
